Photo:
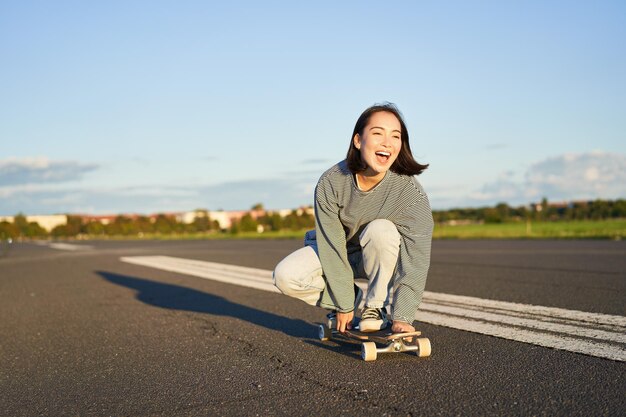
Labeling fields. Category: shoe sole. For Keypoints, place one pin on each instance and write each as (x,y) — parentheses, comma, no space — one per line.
(372,326)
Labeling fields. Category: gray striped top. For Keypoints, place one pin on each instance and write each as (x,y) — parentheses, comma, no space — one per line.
(341,213)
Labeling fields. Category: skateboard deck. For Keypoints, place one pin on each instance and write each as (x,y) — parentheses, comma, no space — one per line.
(392,342)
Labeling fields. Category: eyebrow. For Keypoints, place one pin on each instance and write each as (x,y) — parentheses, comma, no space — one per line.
(379,127)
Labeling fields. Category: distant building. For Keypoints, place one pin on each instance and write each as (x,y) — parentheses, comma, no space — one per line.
(189,216)
(225,219)
(299,211)
(104,219)
(47,222)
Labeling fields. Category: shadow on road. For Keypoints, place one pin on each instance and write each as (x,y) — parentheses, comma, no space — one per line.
(175,297)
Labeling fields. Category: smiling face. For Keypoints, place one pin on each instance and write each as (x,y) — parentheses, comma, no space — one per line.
(379,143)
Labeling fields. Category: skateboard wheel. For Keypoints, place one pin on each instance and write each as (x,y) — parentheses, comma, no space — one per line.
(368,351)
(423,347)
(324,332)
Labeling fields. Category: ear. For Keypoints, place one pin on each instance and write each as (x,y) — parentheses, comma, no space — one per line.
(357,141)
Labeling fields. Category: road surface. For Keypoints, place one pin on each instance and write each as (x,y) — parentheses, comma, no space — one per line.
(112,328)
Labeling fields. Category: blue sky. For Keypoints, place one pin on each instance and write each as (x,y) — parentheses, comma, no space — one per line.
(148,106)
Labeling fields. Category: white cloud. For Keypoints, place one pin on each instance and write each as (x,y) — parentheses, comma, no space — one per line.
(565,177)
(40,170)
(42,199)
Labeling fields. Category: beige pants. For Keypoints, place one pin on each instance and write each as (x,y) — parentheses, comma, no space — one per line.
(300,274)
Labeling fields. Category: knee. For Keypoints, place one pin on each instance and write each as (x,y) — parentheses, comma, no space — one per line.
(283,276)
(300,271)
(380,233)
(280,277)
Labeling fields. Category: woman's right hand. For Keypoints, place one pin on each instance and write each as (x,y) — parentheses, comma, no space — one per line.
(344,321)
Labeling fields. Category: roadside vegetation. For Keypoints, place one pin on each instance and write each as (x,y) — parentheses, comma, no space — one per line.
(600,219)
(581,229)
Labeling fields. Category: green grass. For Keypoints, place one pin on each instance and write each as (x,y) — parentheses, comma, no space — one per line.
(601,229)
(282,234)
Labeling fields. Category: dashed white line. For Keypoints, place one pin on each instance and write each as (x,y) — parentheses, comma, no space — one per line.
(599,335)
(65,246)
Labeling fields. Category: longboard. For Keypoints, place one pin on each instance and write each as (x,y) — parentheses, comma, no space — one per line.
(392,342)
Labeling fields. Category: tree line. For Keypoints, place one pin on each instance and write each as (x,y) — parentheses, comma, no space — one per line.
(272,221)
(544,211)
(164,224)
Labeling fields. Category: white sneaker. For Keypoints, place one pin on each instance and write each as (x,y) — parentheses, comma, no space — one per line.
(373,319)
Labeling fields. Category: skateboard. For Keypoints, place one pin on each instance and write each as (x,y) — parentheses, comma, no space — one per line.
(392,342)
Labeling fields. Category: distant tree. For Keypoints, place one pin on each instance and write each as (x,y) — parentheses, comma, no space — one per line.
(492,215)
(74,225)
(202,222)
(164,224)
(122,226)
(519,213)
(61,231)
(8,230)
(568,212)
(272,221)
(295,221)
(144,224)
(234,227)
(600,209)
(94,228)
(619,209)
(257,207)
(307,220)
(248,224)
(19,220)
(113,229)
(504,212)
(35,230)
(582,210)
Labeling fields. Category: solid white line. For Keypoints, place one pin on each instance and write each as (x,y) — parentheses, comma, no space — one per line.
(537,324)
(543,318)
(592,348)
(166,263)
(600,335)
(527,309)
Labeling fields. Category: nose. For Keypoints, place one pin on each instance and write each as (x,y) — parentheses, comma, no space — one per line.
(386,140)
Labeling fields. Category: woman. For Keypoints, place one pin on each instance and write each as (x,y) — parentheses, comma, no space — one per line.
(372,220)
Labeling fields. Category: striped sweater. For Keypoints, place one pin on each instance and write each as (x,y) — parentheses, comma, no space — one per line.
(342,211)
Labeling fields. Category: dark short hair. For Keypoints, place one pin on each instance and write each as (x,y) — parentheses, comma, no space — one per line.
(405,164)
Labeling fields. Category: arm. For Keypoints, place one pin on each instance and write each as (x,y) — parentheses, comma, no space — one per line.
(415,224)
(331,244)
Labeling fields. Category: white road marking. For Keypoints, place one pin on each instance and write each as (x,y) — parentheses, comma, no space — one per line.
(65,246)
(599,335)
(259,279)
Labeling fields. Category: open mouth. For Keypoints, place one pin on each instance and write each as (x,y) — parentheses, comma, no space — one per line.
(383,157)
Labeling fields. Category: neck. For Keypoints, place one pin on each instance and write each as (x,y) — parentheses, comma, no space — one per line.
(367,182)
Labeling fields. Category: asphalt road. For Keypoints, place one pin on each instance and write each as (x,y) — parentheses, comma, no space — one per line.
(82,333)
